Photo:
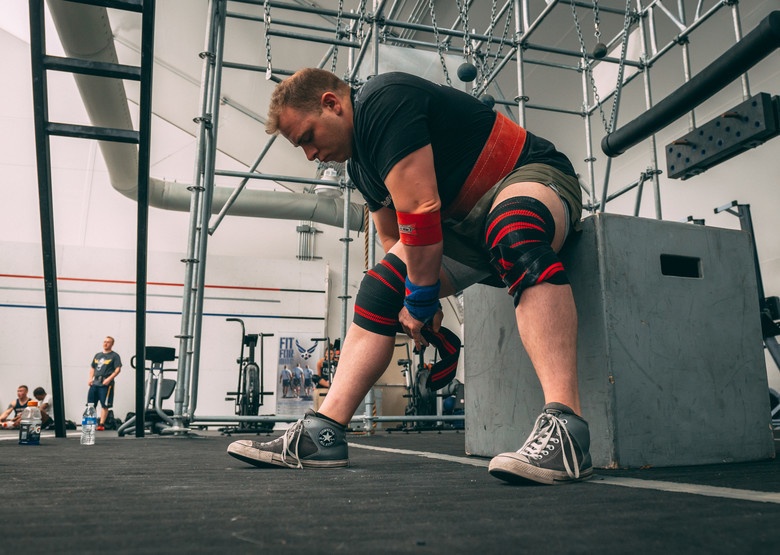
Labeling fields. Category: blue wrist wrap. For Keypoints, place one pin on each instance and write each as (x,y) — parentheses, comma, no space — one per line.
(422,301)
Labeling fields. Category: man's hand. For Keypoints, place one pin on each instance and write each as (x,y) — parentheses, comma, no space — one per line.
(413,327)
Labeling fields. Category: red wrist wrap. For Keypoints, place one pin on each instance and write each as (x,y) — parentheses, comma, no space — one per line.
(419,229)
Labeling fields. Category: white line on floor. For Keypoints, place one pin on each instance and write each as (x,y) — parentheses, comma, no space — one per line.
(462,460)
(658,485)
(695,489)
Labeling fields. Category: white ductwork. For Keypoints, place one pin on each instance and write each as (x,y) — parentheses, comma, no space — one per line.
(85,33)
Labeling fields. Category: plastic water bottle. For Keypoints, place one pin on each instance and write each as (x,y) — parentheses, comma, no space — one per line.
(88,425)
(30,426)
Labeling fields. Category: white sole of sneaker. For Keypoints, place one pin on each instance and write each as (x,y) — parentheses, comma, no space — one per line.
(509,468)
(243,451)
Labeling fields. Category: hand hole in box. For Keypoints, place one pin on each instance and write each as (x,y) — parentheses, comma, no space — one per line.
(680,266)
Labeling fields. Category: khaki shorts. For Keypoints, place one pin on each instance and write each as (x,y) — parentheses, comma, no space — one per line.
(466,258)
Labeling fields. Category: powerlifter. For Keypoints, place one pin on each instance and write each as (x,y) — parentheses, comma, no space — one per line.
(459,194)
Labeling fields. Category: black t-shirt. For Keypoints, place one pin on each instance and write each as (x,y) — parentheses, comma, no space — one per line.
(104,365)
(396,114)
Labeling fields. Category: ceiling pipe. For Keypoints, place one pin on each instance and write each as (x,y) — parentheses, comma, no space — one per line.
(85,33)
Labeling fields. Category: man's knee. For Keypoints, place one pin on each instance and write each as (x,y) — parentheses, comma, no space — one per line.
(381,297)
(519,234)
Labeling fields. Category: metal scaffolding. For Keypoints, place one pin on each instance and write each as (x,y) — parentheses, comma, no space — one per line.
(371,29)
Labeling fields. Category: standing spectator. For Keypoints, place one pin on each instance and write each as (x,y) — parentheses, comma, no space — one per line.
(285,379)
(12,415)
(105,367)
(46,404)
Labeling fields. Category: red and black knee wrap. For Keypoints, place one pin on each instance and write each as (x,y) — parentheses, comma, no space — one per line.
(519,233)
(381,297)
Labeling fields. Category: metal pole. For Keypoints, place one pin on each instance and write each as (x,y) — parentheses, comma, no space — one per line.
(181,399)
(590,160)
(521,97)
(237,191)
(46,208)
(738,37)
(529,29)
(346,240)
(205,212)
(653,145)
(142,235)
(686,58)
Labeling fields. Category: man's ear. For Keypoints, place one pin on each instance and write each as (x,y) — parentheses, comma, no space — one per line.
(331,101)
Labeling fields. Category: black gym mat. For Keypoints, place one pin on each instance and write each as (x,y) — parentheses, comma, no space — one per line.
(162,494)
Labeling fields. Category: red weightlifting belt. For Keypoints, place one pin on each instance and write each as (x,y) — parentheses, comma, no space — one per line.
(497,159)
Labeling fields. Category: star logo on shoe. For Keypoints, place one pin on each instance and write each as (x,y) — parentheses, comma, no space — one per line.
(327,437)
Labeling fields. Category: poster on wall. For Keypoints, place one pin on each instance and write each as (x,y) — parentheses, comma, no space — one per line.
(298,356)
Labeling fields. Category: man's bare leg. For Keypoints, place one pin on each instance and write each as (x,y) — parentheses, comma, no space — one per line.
(547,322)
(557,451)
(364,359)
(546,315)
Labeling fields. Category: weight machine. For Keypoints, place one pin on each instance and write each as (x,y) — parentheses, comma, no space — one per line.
(157,388)
(248,397)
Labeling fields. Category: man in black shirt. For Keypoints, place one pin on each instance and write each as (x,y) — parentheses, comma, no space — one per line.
(105,367)
(459,195)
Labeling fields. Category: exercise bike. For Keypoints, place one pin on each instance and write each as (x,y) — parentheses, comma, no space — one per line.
(421,400)
(248,397)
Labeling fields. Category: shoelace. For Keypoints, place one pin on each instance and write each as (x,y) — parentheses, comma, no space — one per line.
(548,428)
(291,438)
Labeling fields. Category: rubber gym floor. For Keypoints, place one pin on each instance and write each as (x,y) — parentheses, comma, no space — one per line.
(403,493)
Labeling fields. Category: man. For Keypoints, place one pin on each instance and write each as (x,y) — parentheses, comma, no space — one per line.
(297,380)
(12,416)
(284,379)
(106,366)
(459,195)
(46,405)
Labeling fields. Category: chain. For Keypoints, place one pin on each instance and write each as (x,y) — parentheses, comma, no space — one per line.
(588,67)
(266,27)
(621,66)
(439,47)
(596,21)
(608,126)
(361,20)
(464,15)
(489,72)
(335,57)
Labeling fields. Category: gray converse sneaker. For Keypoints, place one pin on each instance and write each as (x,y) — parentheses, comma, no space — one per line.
(311,442)
(556,452)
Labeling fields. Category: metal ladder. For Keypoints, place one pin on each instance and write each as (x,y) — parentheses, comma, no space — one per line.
(44,129)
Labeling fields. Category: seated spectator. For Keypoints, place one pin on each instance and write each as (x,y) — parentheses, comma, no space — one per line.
(12,416)
(46,404)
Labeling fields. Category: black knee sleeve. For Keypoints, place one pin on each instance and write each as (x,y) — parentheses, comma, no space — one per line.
(381,297)
(519,233)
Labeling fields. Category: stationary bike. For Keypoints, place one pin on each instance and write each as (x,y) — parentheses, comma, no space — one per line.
(248,397)
(421,400)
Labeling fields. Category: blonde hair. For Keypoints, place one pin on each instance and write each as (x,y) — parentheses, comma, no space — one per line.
(303,91)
